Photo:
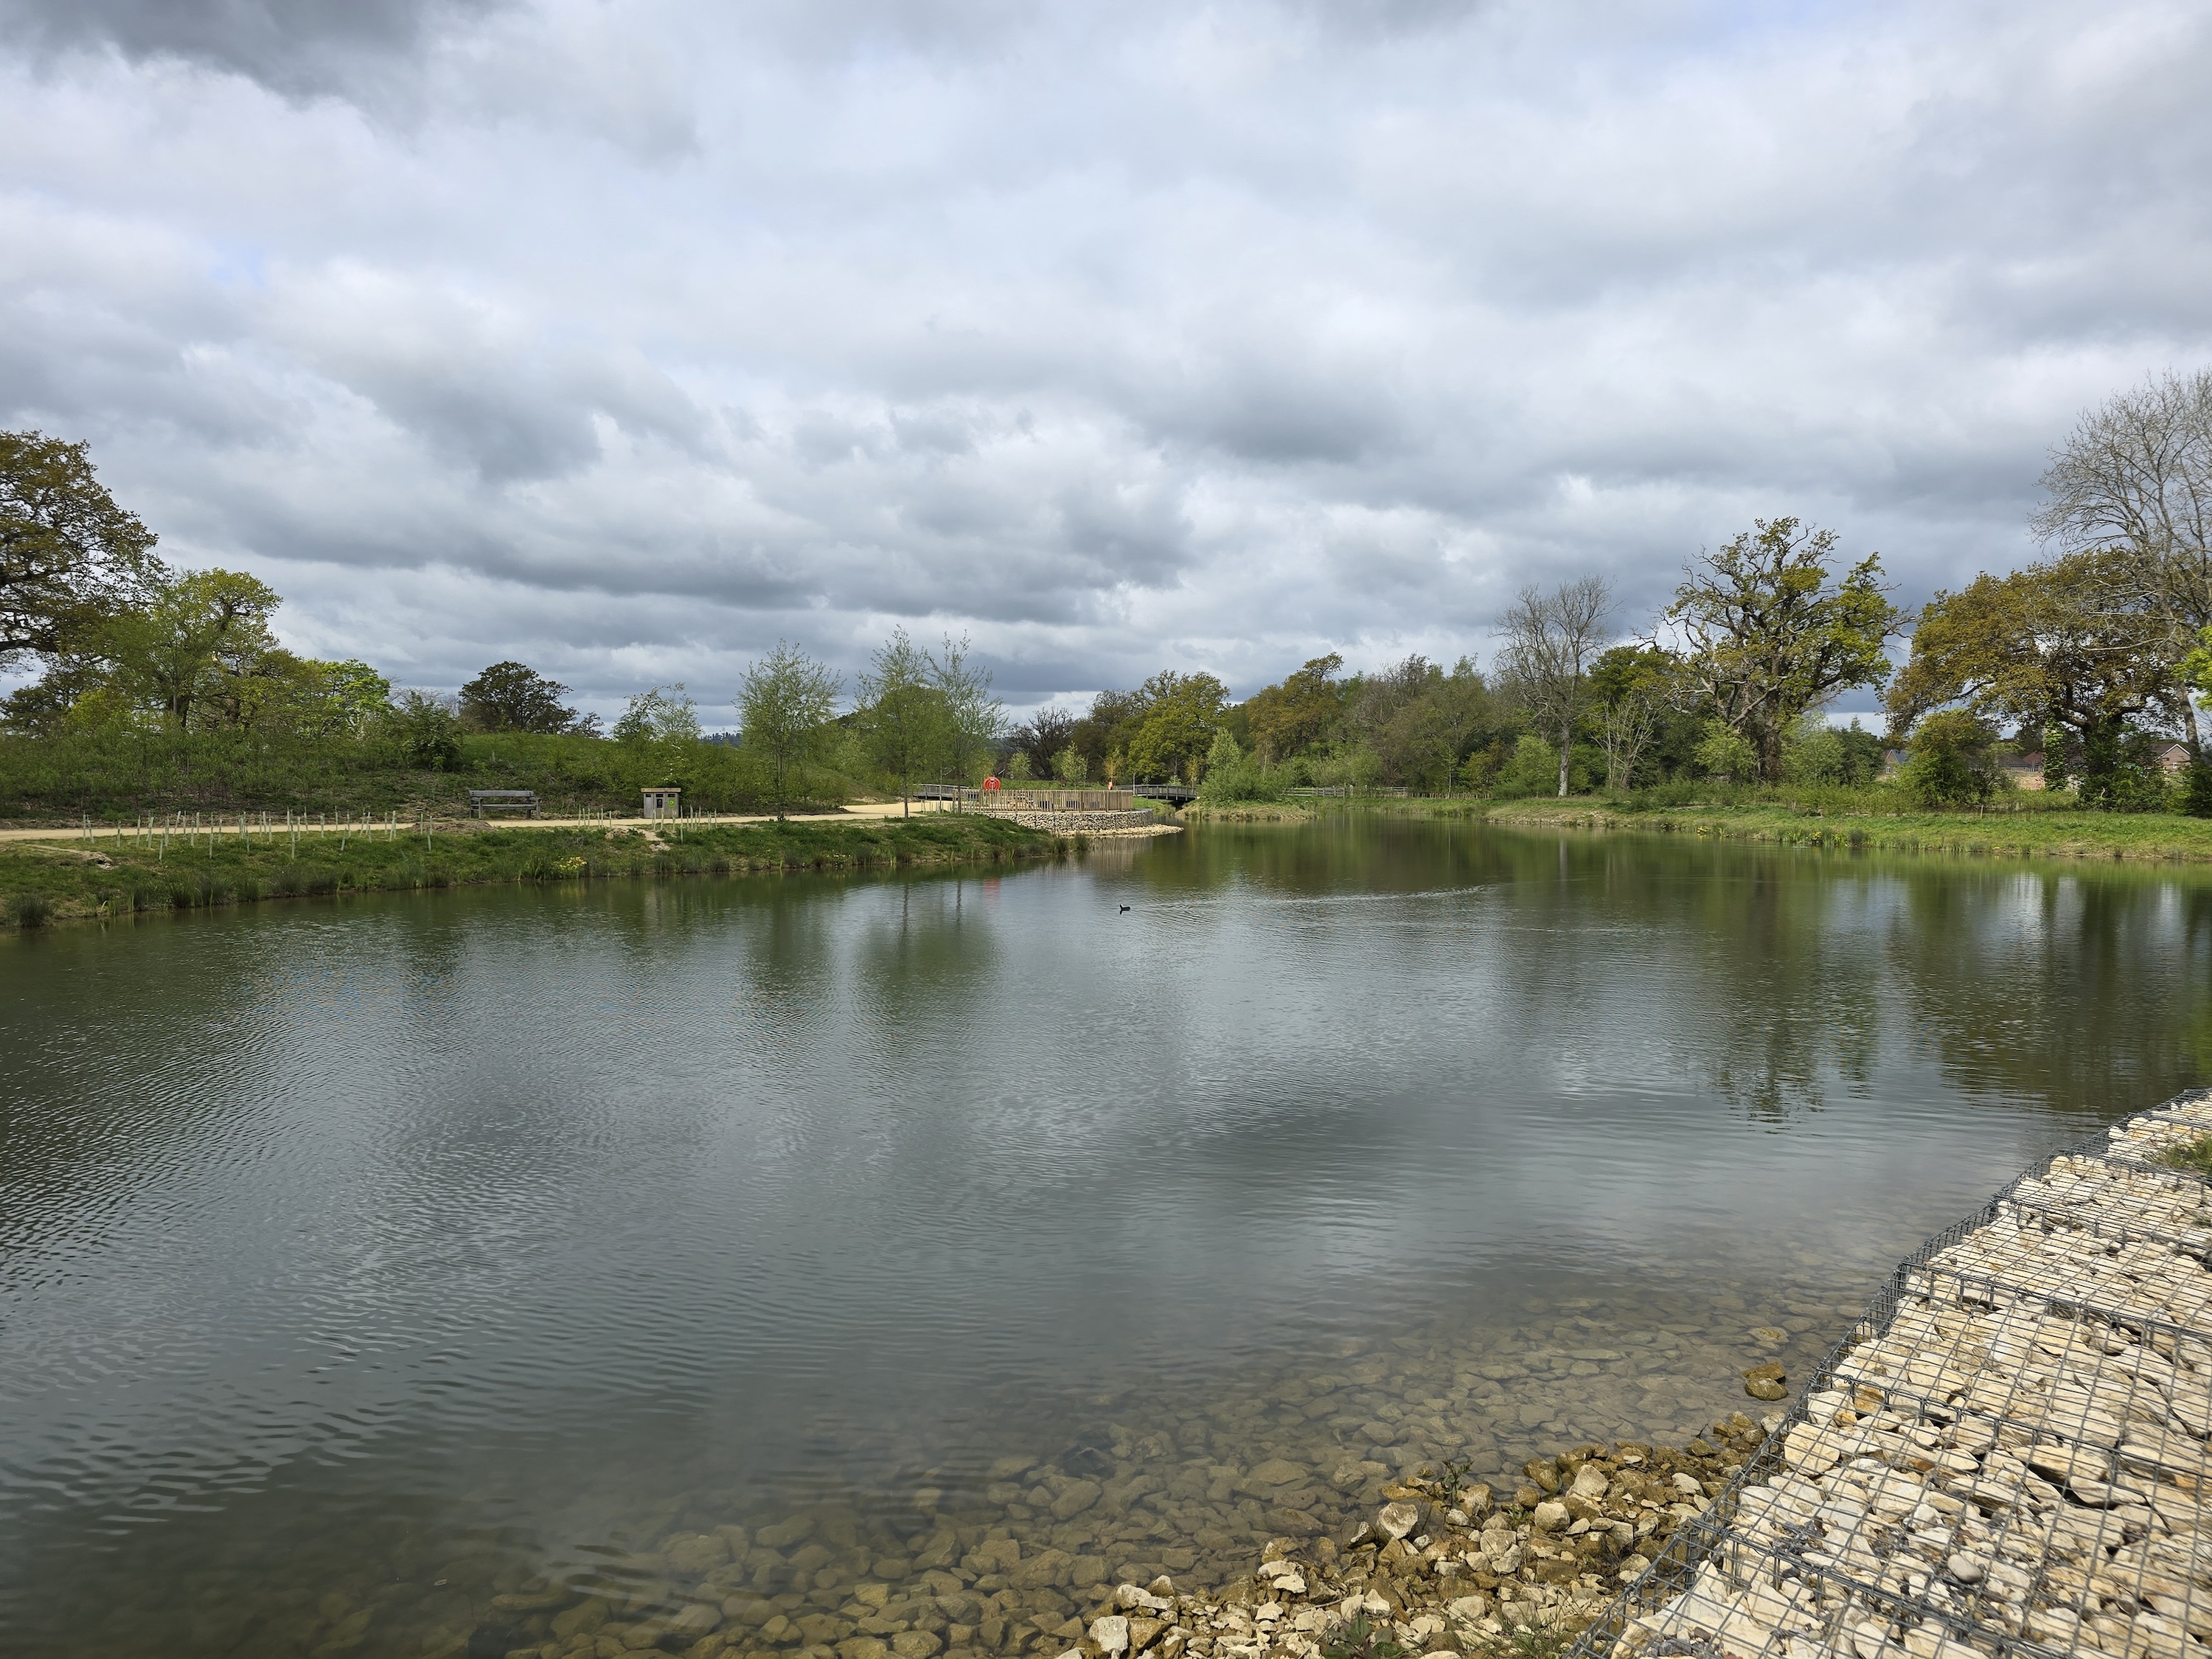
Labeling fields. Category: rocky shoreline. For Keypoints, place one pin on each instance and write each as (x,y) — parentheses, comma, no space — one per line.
(1446,1568)
(1446,1565)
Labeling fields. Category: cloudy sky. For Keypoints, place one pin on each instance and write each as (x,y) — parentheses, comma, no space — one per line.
(626,336)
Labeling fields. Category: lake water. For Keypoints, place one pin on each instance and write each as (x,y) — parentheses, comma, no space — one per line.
(362,1262)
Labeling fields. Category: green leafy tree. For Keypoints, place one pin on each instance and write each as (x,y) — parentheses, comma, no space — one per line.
(70,558)
(1814,752)
(667,714)
(315,699)
(2134,480)
(1951,761)
(2057,771)
(202,652)
(974,721)
(1532,768)
(1182,712)
(354,695)
(784,702)
(1231,774)
(1726,753)
(426,730)
(1300,713)
(198,655)
(904,720)
(2196,674)
(1768,630)
(1633,687)
(2057,644)
(1069,765)
(1109,726)
(1222,754)
(512,696)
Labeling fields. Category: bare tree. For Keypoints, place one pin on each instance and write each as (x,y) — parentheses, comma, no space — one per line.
(2134,478)
(1551,640)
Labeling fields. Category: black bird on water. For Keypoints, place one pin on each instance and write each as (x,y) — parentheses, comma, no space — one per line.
(1125,909)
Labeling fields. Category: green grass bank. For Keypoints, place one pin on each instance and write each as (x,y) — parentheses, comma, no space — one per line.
(2043,832)
(43,882)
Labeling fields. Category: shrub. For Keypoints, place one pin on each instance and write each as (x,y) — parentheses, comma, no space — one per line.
(2139,784)
(1726,753)
(1233,776)
(1951,761)
(2195,791)
(31,910)
(425,732)
(1533,769)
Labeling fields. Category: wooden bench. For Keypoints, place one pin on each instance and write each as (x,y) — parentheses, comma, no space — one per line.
(481,801)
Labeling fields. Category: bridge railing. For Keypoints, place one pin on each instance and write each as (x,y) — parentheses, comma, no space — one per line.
(1031,800)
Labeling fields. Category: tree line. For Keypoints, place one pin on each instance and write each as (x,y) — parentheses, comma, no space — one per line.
(2089,657)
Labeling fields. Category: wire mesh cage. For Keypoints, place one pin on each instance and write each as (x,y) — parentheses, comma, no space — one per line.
(2005,1454)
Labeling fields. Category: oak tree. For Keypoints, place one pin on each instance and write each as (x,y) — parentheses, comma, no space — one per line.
(2066,643)
(69,557)
(1768,630)
(512,696)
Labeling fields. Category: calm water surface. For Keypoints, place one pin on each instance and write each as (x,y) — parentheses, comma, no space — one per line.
(482,1237)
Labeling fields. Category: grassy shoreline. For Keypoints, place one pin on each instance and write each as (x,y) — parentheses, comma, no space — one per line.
(2153,837)
(43,881)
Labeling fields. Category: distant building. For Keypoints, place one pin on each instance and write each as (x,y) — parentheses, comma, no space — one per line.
(2025,771)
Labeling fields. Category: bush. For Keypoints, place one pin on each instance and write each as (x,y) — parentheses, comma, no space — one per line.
(1532,769)
(2197,789)
(1816,755)
(425,732)
(1951,761)
(31,910)
(1726,753)
(1233,776)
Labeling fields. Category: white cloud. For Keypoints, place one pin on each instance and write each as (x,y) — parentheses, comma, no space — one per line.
(628,337)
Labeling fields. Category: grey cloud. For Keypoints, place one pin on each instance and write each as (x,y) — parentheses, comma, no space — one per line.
(1126,336)
(293,47)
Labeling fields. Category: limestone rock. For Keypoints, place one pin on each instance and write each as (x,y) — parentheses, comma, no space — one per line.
(1079,1496)
(1397,1520)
